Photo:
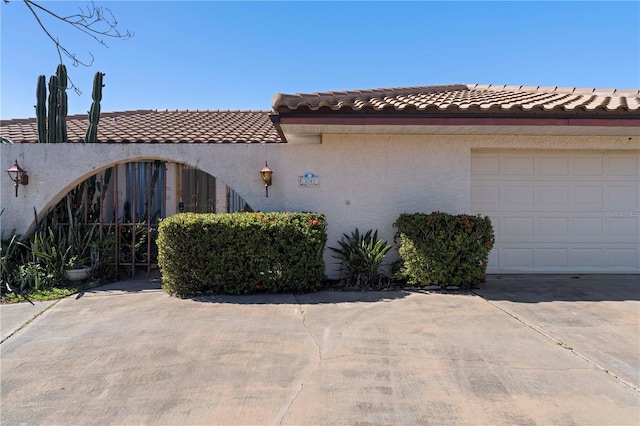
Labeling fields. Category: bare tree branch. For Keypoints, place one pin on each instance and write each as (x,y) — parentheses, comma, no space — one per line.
(88,21)
(94,21)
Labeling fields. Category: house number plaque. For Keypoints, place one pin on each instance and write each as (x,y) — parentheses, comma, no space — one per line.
(309,179)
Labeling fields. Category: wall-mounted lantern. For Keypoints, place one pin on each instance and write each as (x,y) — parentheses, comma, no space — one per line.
(18,176)
(266,173)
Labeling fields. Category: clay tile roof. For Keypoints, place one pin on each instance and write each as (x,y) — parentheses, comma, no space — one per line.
(467,99)
(153,126)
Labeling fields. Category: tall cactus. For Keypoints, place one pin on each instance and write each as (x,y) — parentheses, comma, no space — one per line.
(51,112)
(94,112)
(61,125)
(53,109)
(41,108)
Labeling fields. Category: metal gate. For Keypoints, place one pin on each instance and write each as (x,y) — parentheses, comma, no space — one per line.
(126,202)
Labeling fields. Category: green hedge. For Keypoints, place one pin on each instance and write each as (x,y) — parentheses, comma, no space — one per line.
(241,253)
(444,250)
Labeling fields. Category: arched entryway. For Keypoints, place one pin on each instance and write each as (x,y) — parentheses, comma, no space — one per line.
(119,208)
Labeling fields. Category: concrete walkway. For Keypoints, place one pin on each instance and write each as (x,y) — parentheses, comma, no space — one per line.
(516,352)
(15,316)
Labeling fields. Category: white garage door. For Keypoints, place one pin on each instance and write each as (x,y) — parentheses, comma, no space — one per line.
(560,212)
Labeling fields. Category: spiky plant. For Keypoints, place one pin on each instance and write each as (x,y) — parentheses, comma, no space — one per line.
(360,257)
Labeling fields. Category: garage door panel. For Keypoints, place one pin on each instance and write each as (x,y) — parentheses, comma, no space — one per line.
(622,166)
(496,222)
(519,165)
(560,212)
(516,258)
(517,227)
(554,258)
(552,227)
(621,257)
(491,197)
(586,228)
(493,259)
(486,197)
(563,260)
(586,198)
(620,197)
(485,164)
(552,197)
(561,228)
(517,196)
(587,165)
(586,258)
(622,227)
(552,165)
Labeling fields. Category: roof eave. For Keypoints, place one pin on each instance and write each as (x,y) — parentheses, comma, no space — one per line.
(310,129)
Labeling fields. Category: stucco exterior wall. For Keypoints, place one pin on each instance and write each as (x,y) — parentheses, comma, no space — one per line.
(365,181)
(54,169)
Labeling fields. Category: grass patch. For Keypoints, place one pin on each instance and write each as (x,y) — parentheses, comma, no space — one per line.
(51,293)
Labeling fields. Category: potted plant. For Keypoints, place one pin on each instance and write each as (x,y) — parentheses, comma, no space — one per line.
(80,252)
(78,268)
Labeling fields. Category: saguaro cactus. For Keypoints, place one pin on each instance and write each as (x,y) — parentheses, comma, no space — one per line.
(94,112)
(61,120)
(41,108)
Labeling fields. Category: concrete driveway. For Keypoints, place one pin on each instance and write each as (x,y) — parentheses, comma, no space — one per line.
(523,350)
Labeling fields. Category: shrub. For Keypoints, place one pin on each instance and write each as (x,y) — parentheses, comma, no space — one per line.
(444,250)
(360,257)
(398,272)
(241,253)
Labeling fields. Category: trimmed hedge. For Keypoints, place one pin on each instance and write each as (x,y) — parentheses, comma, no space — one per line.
(240,253)
(444,250)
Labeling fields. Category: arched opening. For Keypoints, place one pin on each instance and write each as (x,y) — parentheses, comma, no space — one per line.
(200,192)
(114,214)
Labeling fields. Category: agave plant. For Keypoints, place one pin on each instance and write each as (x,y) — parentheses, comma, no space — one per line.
(360,257)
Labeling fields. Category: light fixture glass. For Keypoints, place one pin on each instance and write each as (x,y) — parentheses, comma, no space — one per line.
(18,175)
(266,173)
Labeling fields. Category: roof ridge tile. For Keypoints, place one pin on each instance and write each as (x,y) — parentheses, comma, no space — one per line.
(468,98)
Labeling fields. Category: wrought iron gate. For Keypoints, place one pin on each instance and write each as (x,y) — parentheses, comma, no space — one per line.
(127,201)
(129,211)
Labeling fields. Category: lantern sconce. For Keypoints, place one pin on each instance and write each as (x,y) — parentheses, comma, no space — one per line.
(18,175)
(266,173)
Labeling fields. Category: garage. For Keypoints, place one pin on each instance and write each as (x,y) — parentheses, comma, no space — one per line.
(560,211)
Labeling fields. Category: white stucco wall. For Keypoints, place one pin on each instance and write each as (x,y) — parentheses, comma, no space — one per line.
(56,168)
(366,181)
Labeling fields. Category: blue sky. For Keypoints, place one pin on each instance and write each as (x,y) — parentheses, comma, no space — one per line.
(237,55)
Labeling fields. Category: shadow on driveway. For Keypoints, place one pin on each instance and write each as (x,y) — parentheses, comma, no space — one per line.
(513,288)
(138,284)
(320,297)
(144,283)
(554,288)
